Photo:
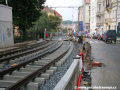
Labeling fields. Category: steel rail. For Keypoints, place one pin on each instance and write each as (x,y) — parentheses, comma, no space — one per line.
(11,69)
(23,53)
(33,75)
(20,49)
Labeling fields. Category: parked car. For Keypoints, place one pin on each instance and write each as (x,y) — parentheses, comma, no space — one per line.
(109,36)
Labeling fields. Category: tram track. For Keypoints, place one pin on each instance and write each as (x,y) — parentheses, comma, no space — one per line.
(32,68)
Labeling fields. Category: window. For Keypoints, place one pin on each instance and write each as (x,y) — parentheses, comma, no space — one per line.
(103,3)
(99,6)
(109,26)
(87,27)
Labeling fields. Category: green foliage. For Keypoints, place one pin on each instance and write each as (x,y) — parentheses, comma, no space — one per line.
(54,21)
(42,23)
(25,12)
(48,22)
(65,30)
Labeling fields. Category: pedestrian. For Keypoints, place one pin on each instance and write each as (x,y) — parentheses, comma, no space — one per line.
(46,35)
(91,36)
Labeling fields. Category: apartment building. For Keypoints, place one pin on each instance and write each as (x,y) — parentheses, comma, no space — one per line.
(93,18)
(100,16)
(87,15)
(84,15)
(53,12)
(110,14)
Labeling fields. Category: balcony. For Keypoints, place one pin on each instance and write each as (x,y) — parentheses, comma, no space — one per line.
(100,24)
(98,13)
(108,20)
(109,6)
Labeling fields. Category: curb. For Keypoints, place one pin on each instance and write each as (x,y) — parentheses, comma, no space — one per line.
(59,63)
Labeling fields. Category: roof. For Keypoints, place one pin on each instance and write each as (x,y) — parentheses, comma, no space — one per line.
(48,9)
(56,13)
(87,1)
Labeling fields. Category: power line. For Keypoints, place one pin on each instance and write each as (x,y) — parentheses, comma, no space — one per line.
(64,7)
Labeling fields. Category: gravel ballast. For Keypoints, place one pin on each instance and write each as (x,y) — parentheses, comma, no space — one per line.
(54,79)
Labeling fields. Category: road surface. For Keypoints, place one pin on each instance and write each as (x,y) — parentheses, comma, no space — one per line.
(109,54)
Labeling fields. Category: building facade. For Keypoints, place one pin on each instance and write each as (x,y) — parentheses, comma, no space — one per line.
(84,15)
(110,15)
(93,18)
(100,16)
(87,15)
(80,18)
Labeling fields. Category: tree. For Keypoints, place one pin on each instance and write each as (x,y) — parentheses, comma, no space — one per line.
(55,21)
(25,12)
(48,22)
(43,23)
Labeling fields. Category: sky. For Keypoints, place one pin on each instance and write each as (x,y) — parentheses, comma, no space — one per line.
(66,13)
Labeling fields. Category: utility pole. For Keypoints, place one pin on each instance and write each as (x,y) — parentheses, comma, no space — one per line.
(6,2)
(45,34)
(117,16)
(78,17)
(72,17)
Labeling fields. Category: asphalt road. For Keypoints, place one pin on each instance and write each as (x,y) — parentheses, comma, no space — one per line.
(109,74)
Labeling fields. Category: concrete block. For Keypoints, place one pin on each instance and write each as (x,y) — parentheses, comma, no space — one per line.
(40,80)
(45,58)
(5,83)
(58,64)
(41,62)
(26,70)
(12,78)
(50,72)
(15,73)
(2,88)
(33,67)
(1,65)
(64,83)
(53,68)
(45,75)
(33,86)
